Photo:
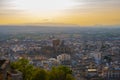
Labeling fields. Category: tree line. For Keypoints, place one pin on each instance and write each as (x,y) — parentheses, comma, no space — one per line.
(30,72)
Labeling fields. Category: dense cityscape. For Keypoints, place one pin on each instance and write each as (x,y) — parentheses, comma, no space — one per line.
(59,39)
(90,53)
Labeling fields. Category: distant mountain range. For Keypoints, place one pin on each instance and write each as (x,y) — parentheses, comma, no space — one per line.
(50,28)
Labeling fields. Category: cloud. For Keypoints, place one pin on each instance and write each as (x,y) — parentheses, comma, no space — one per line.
(7,9)
(99,2)
(4,4)
(1,3)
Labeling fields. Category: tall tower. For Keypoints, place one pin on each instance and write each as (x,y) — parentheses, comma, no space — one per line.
(102,49)
(56,42)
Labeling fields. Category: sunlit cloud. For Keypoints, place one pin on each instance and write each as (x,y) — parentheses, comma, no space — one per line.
(86,12)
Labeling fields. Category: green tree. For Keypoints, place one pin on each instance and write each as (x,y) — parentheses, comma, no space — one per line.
(69,77)
(33,73)
(60,73)
(24,66)
(40,74)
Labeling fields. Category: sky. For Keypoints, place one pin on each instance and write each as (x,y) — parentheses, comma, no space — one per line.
(80,12)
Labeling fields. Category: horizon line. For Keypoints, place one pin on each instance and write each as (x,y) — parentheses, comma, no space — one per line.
(59,24)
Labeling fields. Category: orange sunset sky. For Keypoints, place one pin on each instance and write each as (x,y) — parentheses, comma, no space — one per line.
(80,12)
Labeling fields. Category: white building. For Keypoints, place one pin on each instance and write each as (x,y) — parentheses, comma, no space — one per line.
(63,57)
